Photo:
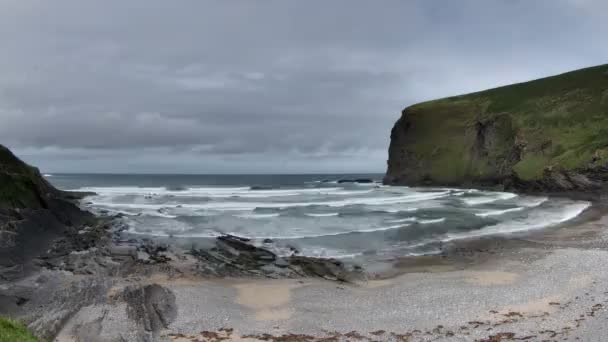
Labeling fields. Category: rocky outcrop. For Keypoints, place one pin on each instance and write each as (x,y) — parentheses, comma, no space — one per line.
(152,307)
(32,215)
(235,256)
(545,135)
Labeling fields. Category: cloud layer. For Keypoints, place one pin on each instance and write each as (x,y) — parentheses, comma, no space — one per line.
(273,86)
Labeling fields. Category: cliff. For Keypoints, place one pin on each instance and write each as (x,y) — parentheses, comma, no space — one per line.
(549,134)
(32,214)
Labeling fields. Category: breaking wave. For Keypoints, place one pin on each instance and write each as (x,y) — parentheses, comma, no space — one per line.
(327,218)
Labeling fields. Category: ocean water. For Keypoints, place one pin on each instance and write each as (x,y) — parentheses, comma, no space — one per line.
(314,213)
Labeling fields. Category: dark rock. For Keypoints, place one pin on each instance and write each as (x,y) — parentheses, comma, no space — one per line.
(154,253)
(234,237)
(261,187)
(280,262)
(123,250)
(268,241)
(293,250)
(232,256)
(177,188)
(364,180)
(341,181)
(152,307)
(245,252)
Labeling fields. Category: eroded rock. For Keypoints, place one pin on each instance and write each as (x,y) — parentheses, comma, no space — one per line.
(236,256)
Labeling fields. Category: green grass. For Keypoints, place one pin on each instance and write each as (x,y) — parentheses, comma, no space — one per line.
(562,121)
(13,331)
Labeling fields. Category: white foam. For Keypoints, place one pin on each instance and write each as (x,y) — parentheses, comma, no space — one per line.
(368,184)
(165,234)
(273,237)
(488,198)
(347,193)
(414,219)
(136,190)
(253,194)
(47,175)
(399,210)
(320,252)
(216,192)
(439,220)
(530,202)
(371,201)
(536,220)
(499,212)
(322,215)
(407,219)
(158,214)
(258,216)
(304,236)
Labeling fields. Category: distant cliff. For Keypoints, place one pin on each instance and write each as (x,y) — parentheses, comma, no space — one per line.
(32,213)
(549,134)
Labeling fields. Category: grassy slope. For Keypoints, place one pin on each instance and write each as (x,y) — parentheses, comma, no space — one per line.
(562,120)
(12,331)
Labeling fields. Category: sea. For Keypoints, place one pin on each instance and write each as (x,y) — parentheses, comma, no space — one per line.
(318,215)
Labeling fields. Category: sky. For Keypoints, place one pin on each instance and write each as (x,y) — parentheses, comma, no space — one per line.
(268,86)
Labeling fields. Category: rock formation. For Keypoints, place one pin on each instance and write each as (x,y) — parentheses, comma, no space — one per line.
(32,214)
(549,134)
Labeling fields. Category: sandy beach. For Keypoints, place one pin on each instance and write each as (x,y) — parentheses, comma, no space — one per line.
(549,291)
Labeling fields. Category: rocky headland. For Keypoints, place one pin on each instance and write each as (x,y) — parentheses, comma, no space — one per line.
(546,135)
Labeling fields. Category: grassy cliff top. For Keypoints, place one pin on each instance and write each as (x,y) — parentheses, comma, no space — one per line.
(560,122)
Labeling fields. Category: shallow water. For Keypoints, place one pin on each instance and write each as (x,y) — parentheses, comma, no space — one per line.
(315,213)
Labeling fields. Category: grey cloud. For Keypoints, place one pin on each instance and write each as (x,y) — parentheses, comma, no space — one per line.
(284,85)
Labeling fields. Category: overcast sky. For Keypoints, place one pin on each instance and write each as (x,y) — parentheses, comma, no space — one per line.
(260,86)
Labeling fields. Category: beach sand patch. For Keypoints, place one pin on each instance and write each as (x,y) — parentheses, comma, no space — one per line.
(540,306)
(580,281)
(269,301)
(492,278)
(373,284)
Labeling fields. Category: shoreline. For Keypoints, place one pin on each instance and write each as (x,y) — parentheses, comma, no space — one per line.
(515,289)
(460,253)
(171,300)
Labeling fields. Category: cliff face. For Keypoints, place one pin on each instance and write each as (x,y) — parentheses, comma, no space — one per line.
(549,134)
(32,213)
(21,185)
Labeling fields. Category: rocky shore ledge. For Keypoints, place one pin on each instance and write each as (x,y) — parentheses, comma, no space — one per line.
(84,268)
